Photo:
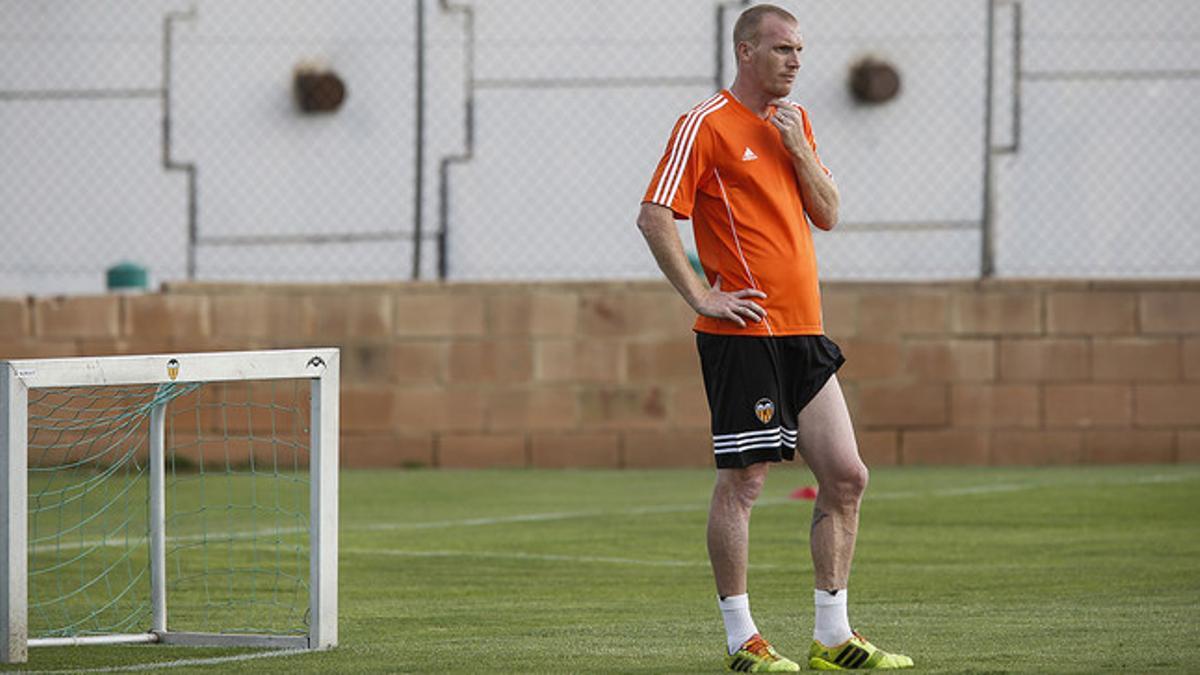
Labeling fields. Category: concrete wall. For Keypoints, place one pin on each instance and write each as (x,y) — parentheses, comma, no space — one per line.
(606,374)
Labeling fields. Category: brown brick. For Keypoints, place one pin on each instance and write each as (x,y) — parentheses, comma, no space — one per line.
(596,360)
(902,405)
(260,315)
(355,314)
(1136,359)
(1160,405)
(1170,312)
(32,348)
(853,398)
(166,316)
(1044,360)
(994,405)
(109,346)
(589,449)
(951,360)
(623,407)
(368,409)
(839,313)
(439,315)
(365,452)
(662,359)
(1128,447)
(658,449)
(505,361)
(532,409)
(1191,358)
(879,448)
(959,446)
(437,409)
(536,314)
(1091,313)
(14,318)
(1088,405)
(988,313)
(869,359)
(635,313)
(478,451)
(85,316)
(1036,448)
(1188,447)
(689,406)
(196,343)
(605,315)
(420,362)
(367,362)
(903,311)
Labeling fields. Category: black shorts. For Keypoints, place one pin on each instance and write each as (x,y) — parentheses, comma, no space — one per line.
(756,386)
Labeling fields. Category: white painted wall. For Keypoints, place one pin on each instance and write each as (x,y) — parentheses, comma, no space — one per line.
(1101,185)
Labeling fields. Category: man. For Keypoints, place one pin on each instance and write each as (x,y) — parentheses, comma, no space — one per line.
(743,166)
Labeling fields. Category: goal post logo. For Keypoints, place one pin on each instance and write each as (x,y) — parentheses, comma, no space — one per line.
(173,369)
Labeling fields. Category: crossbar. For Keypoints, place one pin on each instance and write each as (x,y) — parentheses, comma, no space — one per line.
(284,364)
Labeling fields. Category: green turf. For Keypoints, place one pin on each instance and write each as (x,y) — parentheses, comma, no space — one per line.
(967,570)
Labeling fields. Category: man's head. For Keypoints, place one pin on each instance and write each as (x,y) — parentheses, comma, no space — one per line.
(767,44)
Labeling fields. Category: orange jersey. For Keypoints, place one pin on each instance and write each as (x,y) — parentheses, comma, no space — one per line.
(728,170)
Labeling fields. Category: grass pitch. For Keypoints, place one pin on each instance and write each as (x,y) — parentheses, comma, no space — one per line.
(1075,570)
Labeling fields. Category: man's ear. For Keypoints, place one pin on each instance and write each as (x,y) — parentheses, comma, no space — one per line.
(743,51)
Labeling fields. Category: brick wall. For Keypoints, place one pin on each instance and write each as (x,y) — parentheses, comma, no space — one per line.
(606,374)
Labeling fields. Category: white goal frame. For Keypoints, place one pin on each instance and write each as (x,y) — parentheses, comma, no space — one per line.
(17,377)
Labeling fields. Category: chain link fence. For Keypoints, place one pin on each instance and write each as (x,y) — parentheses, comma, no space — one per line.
(307,140)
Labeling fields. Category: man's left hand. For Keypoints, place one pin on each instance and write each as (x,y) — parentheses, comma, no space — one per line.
(790,124)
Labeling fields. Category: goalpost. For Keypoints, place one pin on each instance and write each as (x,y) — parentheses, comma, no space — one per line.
(208,480)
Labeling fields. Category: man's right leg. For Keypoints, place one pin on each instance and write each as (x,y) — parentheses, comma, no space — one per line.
(729,549)
(729,525)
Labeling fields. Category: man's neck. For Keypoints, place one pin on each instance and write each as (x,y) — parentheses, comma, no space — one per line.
(756,100)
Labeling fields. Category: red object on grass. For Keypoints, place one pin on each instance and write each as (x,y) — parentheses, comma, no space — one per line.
(808,492)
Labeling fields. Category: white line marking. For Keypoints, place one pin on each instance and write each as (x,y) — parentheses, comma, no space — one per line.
(958,492)
(475,522)
(550,557)
(182,663)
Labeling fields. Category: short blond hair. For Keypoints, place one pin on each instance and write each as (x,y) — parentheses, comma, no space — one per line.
(748,23)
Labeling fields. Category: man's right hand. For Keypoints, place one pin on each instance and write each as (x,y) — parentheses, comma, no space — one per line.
(733,306)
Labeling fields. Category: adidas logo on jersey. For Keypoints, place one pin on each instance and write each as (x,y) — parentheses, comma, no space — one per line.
(748,155)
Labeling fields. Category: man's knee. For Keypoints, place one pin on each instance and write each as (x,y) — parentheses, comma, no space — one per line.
(743,485)
(848,486)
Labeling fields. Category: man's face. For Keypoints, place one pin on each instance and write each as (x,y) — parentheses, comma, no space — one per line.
(775,60)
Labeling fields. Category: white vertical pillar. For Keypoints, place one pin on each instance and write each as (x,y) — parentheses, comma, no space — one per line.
(158,519)
(14,516)
(323,495)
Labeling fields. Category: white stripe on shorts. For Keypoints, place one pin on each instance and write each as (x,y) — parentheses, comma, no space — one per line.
(753,440)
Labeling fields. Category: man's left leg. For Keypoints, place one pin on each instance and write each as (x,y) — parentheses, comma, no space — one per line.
(826,441)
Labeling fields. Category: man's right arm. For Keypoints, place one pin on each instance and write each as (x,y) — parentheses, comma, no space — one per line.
(658,227)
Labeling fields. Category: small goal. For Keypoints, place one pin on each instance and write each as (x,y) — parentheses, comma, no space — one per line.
(186,499)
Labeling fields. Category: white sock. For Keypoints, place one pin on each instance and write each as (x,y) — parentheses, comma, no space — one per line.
(735,610)
(832,625)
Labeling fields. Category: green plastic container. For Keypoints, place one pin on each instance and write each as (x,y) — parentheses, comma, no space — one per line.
(127,277)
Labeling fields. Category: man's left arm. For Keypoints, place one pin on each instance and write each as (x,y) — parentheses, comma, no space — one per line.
(817,189)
